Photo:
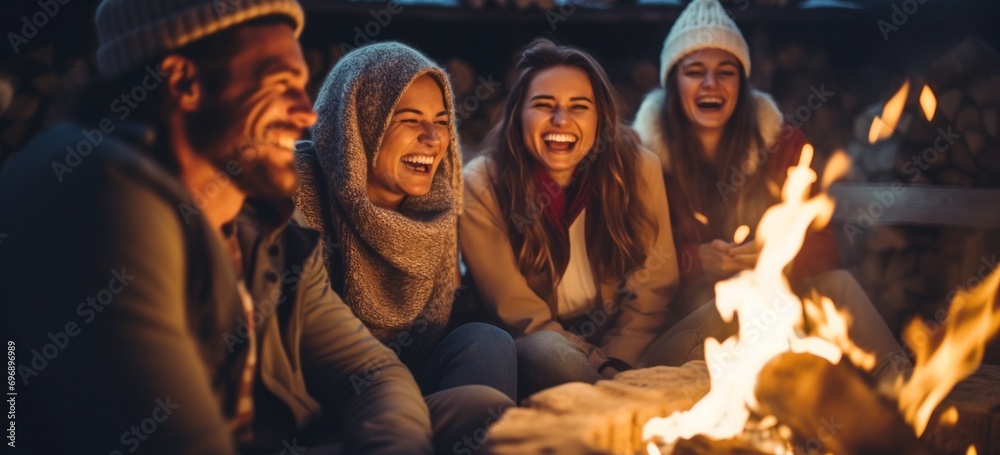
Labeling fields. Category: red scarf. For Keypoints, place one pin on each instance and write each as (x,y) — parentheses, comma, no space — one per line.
(561,212)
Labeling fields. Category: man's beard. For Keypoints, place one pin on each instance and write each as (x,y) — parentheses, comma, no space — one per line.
(216,133)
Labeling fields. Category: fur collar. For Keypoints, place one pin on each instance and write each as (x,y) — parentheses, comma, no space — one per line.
(650,127)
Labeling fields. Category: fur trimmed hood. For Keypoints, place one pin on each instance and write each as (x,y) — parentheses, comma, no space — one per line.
(648,122)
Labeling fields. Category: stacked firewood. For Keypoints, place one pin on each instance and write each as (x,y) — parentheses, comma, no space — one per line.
(907,268)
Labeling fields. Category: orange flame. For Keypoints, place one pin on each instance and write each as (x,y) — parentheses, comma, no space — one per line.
(876,130)
(760,292)
(950,354)
(884,125)
(701,217)
(949,417)
(972,450)
(928,103)
(832,324)
(893,109)
(836,168)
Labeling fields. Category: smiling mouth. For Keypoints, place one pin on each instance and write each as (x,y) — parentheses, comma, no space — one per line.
(284,143)
(559,142)
(419,164)
(710,103)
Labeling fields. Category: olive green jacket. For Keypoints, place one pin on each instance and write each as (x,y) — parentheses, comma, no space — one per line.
(129,332)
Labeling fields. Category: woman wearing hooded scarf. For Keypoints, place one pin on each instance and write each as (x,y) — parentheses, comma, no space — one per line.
(705,124)
(383,183)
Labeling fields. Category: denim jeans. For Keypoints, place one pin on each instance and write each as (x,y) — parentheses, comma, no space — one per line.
(546,359)
(473,354)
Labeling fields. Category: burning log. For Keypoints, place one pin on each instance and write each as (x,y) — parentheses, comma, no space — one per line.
(969,416)
(832,408)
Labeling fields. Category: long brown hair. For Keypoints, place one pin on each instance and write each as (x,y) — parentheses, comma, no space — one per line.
(615,207)
(708,188)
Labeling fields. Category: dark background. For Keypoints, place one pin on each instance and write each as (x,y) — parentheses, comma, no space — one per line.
(793,47)
(796,47)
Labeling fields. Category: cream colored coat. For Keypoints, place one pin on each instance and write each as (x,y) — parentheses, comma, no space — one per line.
(526,304)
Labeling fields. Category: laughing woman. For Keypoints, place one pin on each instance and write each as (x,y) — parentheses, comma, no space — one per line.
(566,229)
(706,123)
(383,183)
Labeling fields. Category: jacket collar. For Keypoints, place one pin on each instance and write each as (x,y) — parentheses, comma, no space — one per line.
(648,122)
(269,220)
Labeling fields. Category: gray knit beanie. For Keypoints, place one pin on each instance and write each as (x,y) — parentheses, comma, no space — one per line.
(133,31)
(703,24)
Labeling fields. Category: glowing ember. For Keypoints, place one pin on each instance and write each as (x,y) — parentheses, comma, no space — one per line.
(951,354)
(928,103)
(760,295)
(701,217)
(741,234)
(949,417)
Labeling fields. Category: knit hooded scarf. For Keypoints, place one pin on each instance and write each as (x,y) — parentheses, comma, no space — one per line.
(398,266)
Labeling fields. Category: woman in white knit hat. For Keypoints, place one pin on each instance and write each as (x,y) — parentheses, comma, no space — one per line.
(725,149)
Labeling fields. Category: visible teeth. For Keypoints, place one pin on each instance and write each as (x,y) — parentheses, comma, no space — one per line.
(553,137)
(287,143)
(419,159)
(710,99)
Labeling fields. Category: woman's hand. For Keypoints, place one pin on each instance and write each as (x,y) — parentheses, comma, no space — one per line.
(746,253)
(717,261)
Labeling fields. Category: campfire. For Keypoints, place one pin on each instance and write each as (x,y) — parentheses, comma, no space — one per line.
(778,390)
(813,327)
(764,294)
